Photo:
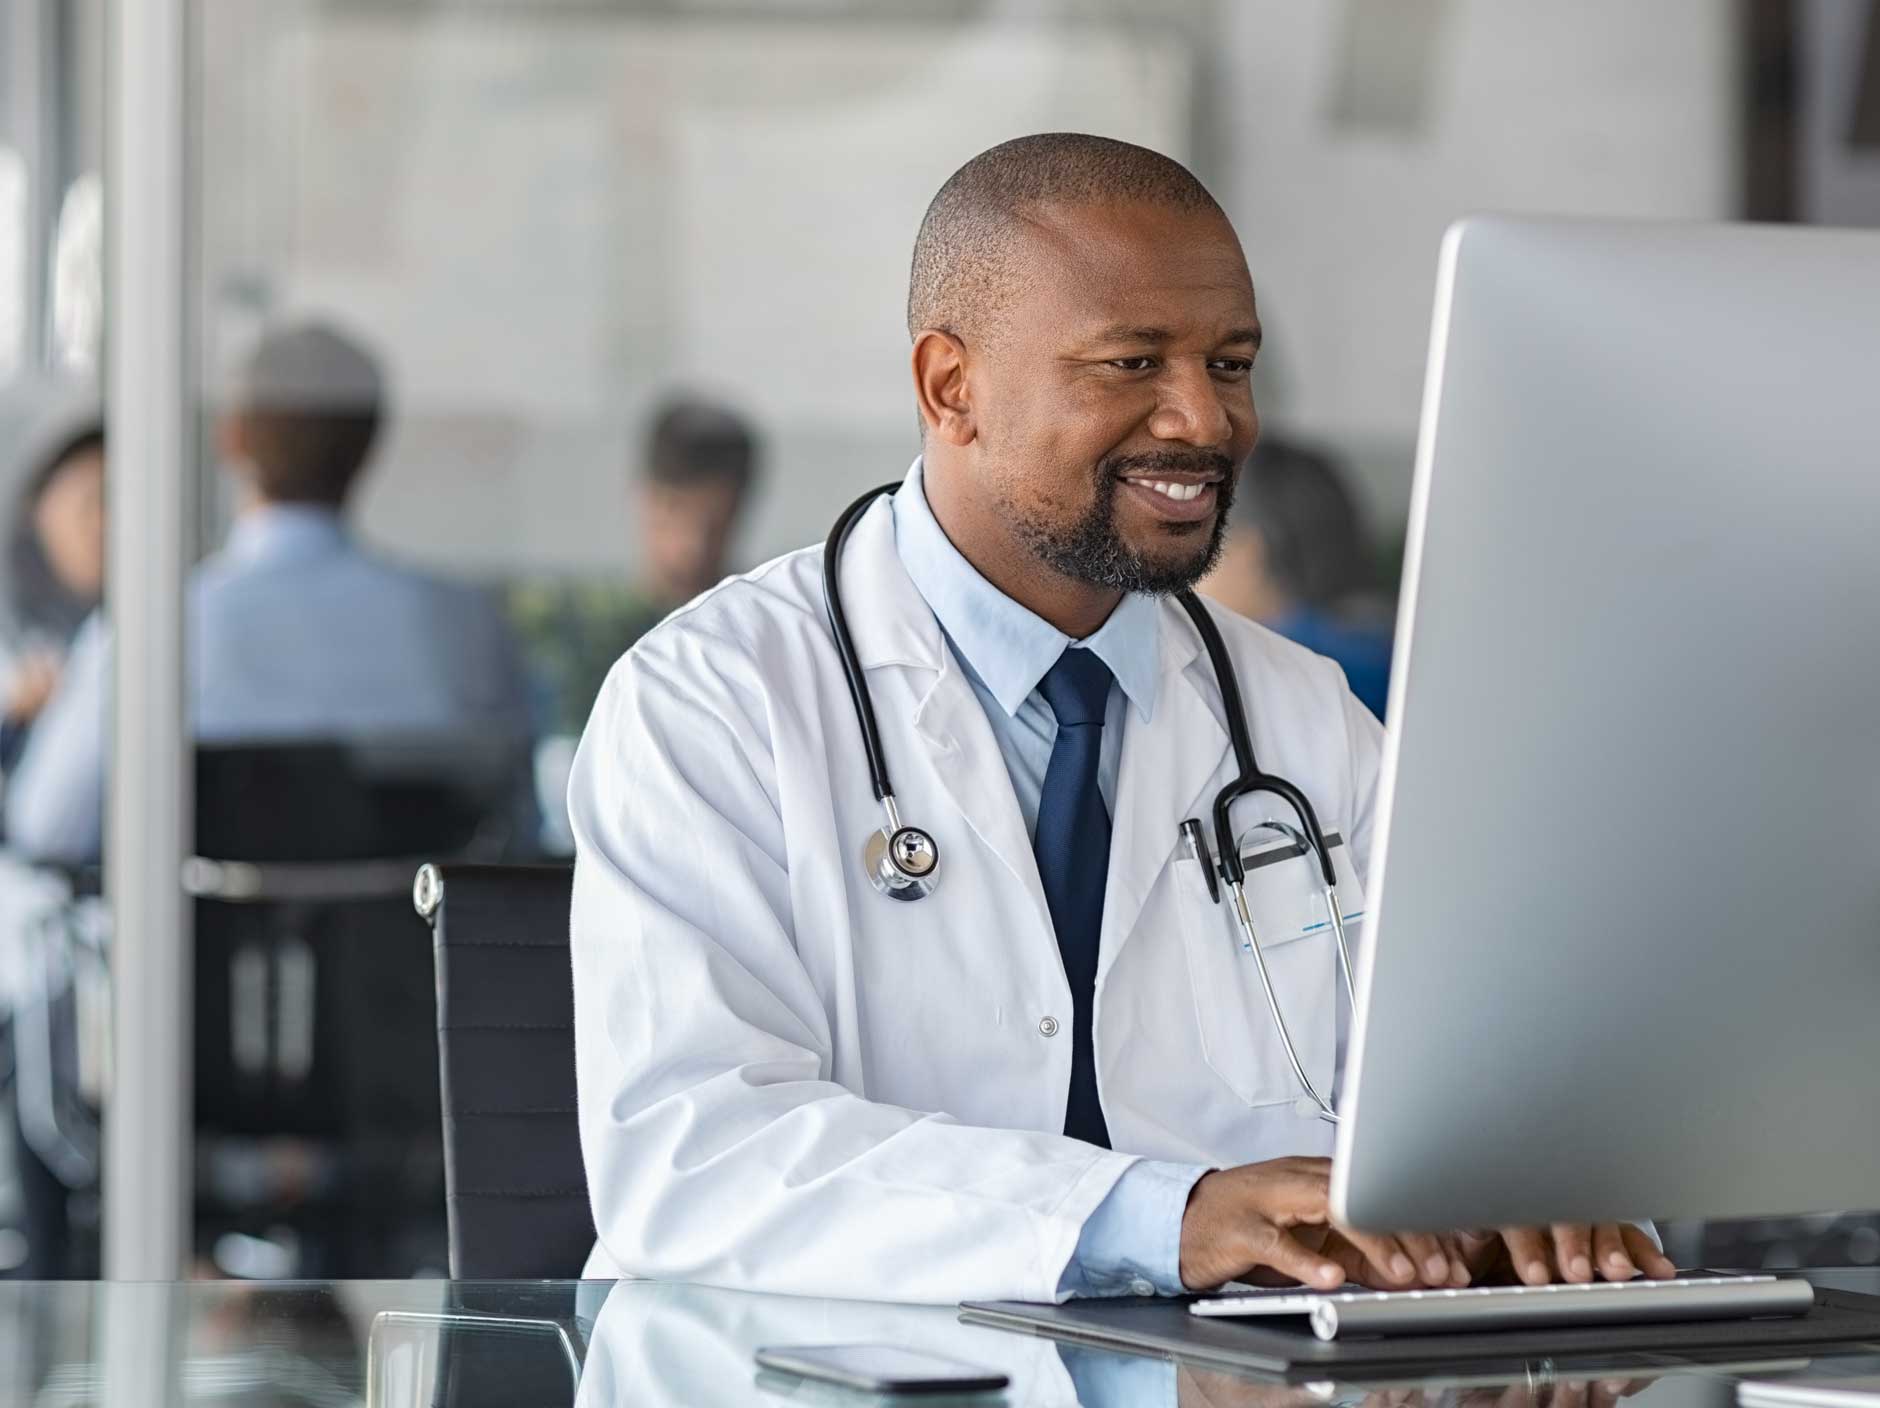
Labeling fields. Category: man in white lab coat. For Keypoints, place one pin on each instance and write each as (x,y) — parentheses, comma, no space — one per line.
(1055,1075)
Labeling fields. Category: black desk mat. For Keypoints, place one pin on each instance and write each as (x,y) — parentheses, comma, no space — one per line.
(1841,1320)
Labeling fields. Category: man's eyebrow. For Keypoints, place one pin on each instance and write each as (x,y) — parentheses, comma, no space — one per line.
(1129,332)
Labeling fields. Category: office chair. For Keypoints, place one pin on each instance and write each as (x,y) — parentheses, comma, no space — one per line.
(515,1187)
(316,1095)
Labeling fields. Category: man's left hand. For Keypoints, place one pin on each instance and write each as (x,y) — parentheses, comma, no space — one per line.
(1565,1251)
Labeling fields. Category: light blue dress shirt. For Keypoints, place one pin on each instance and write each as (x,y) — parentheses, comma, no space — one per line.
(1131,1244)
(295,633)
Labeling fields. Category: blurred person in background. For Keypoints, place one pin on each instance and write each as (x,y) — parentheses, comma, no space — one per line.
(1298,561)
(55,565)
(297,633)
(690,491)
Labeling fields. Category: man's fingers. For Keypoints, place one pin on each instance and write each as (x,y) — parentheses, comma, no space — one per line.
(1432,1261)
(1528,1254)
(1356,1265)
(1458,1260)
(1573,1251)
(1645,1254)
(1297,1190)
(1483,1249)
(1274,1246)
(1386,1255)
(1609,1251)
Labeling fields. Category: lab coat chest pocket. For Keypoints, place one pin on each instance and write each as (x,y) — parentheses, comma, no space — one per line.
(1233,1015)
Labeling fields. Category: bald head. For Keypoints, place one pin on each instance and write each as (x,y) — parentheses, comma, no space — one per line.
(966,256)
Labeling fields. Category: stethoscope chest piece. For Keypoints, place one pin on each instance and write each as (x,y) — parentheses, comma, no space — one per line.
(902,862)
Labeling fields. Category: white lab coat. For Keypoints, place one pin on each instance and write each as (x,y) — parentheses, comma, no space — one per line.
(789,1082)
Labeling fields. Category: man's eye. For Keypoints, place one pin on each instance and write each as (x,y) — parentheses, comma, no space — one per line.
(1235,366)
(1132,364)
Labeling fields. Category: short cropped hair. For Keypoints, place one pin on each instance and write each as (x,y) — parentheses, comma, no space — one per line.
(310,400)
(964,262)
(696,442)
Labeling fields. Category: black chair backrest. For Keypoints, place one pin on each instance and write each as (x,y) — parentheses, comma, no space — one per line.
(515,1185)
(314,984)
(314,1009)
(331,801)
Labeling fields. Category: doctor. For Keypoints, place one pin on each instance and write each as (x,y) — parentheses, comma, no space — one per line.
(1053,1075)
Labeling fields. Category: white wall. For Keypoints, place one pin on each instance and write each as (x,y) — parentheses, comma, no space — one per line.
(1594,107)
(545,223)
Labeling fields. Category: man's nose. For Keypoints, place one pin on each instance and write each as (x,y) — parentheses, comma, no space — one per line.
(1190,408)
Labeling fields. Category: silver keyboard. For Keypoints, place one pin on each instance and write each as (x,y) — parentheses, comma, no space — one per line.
(1438,1312)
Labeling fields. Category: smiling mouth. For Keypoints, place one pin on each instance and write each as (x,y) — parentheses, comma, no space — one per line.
(1184,502)
(1179,492)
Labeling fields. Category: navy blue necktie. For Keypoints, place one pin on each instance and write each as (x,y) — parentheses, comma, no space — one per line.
(1073,850)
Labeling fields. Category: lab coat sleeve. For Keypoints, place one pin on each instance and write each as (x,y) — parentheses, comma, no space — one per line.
(719,1147)
(55,794)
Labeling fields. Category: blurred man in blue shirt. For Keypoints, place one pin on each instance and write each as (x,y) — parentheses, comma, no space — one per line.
(1297,560)
(296,632)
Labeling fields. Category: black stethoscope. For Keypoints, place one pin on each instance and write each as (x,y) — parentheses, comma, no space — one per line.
(903,861)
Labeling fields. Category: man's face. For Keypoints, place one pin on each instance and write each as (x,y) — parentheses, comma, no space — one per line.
(1113,407)
(685,531)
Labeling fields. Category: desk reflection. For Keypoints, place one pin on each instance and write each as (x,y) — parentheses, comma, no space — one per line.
(658,1343)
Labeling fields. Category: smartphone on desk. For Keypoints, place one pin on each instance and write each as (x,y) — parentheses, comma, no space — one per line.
(878,1369)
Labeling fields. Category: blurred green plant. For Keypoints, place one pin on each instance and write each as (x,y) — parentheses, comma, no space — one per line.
(572,632)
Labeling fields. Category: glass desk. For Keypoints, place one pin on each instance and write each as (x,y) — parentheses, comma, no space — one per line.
(438,1344)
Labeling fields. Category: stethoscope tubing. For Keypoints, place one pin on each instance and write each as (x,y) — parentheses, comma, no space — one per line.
(845,643)
(1249,779)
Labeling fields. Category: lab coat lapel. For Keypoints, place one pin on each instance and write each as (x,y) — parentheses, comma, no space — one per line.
(1171,767)
(894,627)
(970,769)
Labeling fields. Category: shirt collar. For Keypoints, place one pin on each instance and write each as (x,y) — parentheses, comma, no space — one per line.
(285,530)
(1006,645)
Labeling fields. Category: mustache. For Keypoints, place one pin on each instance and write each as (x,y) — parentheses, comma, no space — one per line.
(1168,461)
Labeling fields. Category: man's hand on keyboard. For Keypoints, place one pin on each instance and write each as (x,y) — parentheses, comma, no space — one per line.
(1271,1223)
(1565,1251)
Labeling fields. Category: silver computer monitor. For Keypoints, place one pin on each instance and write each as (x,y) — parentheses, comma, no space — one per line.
(1625,946)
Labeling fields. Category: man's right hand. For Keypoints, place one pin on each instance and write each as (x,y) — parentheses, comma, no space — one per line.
(1272,1223)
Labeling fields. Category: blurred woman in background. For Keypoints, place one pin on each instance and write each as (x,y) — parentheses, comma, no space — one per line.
(55,565)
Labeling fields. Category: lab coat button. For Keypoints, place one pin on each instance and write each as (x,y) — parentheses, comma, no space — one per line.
(1048,1026)
(1140,1287)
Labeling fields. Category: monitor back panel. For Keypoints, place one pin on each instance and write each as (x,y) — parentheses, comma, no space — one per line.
(1626,895)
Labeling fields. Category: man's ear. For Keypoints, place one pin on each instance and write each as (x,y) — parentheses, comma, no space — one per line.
(939,363)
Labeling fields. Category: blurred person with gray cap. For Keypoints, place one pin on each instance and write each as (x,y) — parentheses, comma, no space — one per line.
(1298,561)
(699,465)
(296,632)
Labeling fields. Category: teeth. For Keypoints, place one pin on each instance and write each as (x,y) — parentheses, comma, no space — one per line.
(1181,493)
